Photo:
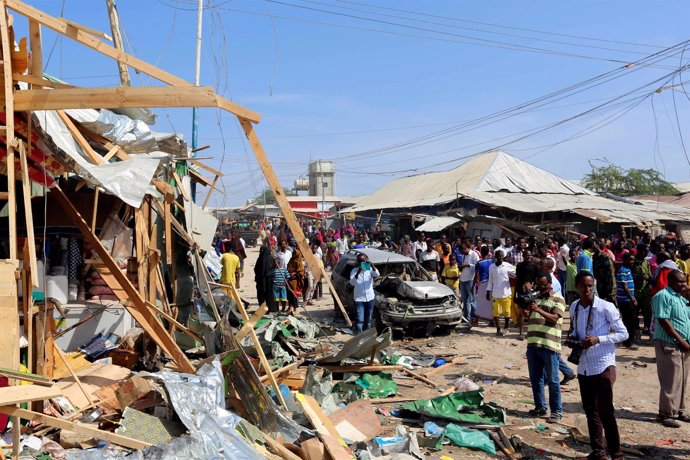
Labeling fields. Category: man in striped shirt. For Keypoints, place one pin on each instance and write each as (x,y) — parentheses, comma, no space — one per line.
(544,346)
(627,303)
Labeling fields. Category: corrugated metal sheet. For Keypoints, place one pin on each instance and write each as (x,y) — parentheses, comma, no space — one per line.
(438,224)
(500,180)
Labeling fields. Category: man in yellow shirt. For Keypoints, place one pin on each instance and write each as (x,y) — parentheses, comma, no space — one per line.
(230,273)
(683,262)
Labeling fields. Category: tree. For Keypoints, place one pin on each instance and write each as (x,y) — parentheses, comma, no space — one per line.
(610,178)
(267,196)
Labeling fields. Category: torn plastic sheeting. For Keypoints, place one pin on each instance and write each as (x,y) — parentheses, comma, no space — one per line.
(402,443)
(457,407)
(464,437)
(361,345)
(378,385)
(134,136)
(319,385)
(260,407)
(199,401)
(201,224)
(128,180)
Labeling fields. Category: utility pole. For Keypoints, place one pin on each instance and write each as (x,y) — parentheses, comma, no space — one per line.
(117,40)
(197,81)
(323,199)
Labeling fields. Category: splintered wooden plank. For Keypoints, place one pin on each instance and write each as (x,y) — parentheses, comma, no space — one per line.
(9,127)
(75,426)
(27,393)
(335,445)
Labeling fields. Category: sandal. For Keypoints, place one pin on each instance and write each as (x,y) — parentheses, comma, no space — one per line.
(683,418)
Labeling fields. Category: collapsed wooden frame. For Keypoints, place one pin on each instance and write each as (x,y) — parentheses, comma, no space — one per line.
(180,93)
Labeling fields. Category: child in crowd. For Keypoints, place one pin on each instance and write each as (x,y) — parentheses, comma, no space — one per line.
(280,277)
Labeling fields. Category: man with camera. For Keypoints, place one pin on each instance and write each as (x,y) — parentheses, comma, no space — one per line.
(545,315)
(594,351)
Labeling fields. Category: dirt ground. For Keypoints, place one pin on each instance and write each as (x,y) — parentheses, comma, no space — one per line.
(499,365)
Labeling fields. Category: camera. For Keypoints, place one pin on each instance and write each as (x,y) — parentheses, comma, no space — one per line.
(525,299)
(577,348)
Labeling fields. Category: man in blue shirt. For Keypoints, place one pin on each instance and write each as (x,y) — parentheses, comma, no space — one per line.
(362,278)
(625,298)
(584,260)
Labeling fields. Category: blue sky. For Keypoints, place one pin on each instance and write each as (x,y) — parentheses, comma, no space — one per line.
(331,86)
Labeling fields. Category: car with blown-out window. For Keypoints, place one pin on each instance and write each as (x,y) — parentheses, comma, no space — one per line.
(407,299)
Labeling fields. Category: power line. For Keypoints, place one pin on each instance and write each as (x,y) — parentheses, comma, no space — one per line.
(580,37)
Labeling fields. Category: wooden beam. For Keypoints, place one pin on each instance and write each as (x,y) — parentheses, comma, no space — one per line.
(180,186)
(335,446)
(138,307)
(210,190)
(75,426)
(285,208)
(9,126)
(62,27)
(115,98)
(65,361)
(36,47)
(33,378)
(94,209)
(38,82)
(258,314)
(89,30)
(27,393)
(78,137)
(28,215)
(215,172)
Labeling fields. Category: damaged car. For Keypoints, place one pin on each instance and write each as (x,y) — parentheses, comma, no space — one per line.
(407,299)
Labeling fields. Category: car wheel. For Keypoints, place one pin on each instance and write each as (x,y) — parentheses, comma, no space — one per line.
(445,329)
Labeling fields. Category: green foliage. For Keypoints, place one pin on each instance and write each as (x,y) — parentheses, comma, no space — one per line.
(610,178)
(267,196)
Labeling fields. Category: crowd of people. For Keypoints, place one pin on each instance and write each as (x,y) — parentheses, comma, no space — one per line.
(614,288)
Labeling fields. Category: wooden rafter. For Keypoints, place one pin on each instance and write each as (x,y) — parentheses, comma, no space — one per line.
(63,27)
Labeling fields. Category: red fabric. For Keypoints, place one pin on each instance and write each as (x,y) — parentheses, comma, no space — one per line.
(661,280)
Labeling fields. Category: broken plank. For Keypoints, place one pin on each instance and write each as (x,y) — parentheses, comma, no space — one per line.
(9,126)
(27,393)
(27,377)
(180,186)
(28,214)
(258,314)
(282,370)
(335,445)
(361,368)
(75,426)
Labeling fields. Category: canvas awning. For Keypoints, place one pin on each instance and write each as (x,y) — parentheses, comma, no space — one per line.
(438,224)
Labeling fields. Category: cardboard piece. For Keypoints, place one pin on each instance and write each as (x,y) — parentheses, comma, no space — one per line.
(136,392)
(357,422)
(92,378)
(313,449)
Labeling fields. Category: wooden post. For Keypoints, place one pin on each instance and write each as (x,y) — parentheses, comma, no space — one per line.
(117,40)
(9,129)
(289,216)
(28,214)
(36,64)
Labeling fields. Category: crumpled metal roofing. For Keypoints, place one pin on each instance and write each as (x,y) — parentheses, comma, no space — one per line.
(501,180)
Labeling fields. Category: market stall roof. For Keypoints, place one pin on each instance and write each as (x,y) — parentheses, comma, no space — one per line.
(500,180)
(438,224)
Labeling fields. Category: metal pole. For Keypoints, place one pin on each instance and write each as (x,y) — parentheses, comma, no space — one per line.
(117,40)
(197,81)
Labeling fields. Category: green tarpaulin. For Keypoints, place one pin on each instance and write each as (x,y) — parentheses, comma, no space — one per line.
(464,437)
(463,407)
(378,385)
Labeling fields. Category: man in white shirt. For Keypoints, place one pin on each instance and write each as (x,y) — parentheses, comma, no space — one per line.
(499,292)
(283,254)
(341,245)
(419,244)
(562,262)
(431,261)
(593,321)
(467,294)
(362,279)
